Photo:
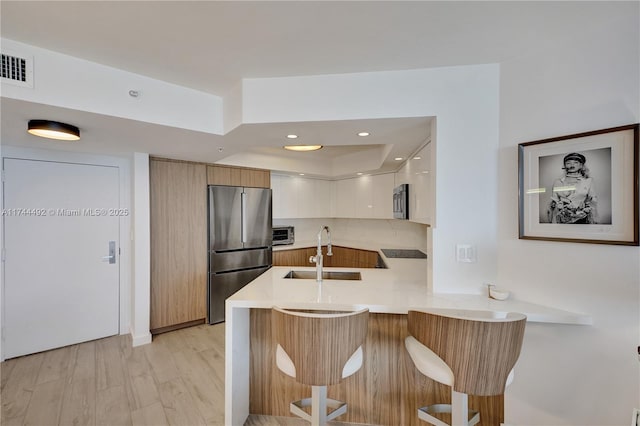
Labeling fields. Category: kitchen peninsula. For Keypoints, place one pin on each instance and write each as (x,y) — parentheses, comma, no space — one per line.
(387,390)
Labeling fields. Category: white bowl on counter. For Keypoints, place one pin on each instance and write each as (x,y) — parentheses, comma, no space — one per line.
(498,293)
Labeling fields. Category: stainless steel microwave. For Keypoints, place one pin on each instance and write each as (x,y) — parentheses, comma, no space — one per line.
(401,201)
(283,235)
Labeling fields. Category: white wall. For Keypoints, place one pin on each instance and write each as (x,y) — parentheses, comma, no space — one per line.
(465,102)
(74,83)
(571,375)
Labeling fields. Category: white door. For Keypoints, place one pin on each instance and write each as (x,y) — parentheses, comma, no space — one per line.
(60,287)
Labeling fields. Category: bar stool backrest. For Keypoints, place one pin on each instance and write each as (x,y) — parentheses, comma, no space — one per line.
(480,349)
(319,343)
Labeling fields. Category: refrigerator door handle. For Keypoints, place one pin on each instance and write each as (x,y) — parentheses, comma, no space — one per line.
(243,221)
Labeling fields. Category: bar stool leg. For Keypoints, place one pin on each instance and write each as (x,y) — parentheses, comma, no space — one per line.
(460,408)
(318,405)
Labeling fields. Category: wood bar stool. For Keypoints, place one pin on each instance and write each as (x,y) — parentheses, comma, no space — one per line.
(319,348)
(472,351)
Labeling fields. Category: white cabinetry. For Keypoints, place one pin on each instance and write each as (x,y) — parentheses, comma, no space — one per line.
(345,190)
(299,197)
(419,174)
(363,197)
(368,197)
(382,186)
(320,199)
(280,199)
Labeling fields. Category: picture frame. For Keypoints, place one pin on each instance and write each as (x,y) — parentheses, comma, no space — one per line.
(580,188)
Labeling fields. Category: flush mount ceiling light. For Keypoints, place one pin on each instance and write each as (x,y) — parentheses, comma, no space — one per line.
(398,158)
(53,130)
(292,136)
(302,147)
(363,134)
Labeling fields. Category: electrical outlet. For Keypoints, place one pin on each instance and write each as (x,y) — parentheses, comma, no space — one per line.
(466,253)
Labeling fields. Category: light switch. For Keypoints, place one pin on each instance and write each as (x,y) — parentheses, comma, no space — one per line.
(466,253)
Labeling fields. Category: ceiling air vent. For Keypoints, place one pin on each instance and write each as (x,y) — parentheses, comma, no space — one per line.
(16,70)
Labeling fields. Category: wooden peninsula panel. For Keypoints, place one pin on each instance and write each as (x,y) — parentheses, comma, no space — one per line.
(387,390)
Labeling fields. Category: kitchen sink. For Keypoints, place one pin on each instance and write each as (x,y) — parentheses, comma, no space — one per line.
(326,275)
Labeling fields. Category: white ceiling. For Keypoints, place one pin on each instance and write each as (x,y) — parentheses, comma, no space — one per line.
(212,45)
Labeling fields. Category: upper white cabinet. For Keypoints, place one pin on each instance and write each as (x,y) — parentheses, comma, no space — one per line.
(280,201)
(419,174)
(362,197)
(382,189)
(367,197)
(345,190)
(299,197)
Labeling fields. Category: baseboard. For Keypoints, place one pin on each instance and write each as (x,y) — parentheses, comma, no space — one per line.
(140,340)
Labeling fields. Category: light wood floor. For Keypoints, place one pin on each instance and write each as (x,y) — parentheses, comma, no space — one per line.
(176,380)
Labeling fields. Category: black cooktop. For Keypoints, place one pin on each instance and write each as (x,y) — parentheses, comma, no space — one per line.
(403,254)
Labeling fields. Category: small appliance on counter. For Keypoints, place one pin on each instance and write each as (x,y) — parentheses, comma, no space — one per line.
(239,242)
(283,235)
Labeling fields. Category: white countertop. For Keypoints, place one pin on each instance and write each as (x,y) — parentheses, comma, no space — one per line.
(395,290)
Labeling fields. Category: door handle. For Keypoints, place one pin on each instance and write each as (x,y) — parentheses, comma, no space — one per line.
(243,221)
(111,258)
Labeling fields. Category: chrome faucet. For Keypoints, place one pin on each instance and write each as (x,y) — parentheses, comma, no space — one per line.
(317,259)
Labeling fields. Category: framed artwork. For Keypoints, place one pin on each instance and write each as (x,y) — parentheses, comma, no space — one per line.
(580,188)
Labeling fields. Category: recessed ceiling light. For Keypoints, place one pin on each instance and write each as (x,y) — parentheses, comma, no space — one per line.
(301,174)
(53,130)
(292,136)
(398,158)
(417,157)
(359,173)
(302,147)
(363,134)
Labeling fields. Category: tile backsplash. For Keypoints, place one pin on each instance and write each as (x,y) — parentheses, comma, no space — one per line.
(390,233)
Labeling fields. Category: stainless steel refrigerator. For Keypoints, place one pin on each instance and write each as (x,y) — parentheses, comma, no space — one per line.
(239,242)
